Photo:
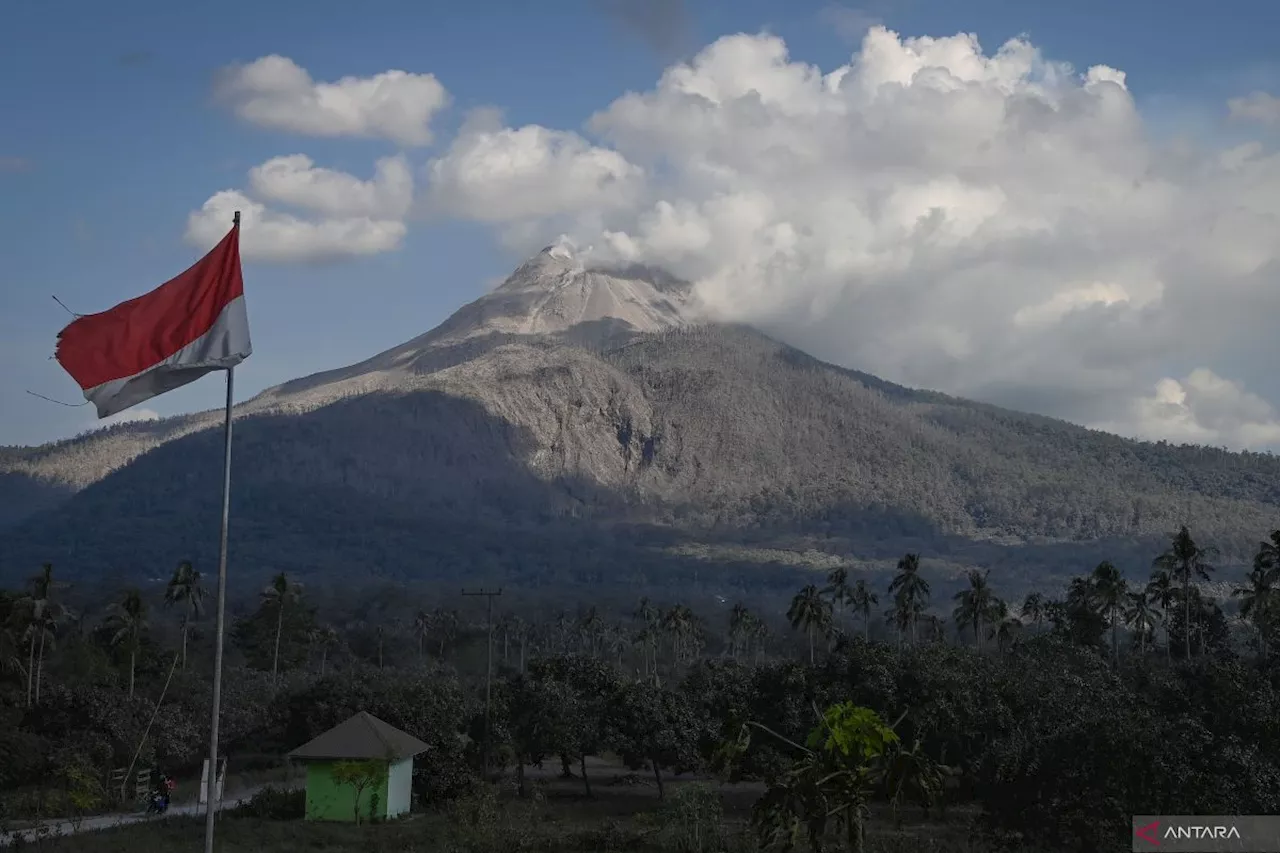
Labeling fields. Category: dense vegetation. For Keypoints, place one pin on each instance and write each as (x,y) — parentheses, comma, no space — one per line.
(537,463)
(1056,718)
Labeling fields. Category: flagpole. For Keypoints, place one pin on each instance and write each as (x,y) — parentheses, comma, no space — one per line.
(211,782)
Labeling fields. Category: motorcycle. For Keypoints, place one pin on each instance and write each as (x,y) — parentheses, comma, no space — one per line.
(157,803)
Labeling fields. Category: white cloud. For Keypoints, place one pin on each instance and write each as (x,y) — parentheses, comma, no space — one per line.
(1202,408)
(275,237)
(1000,226)
(1256,106)
(499,175)
(294,179)
(274,92)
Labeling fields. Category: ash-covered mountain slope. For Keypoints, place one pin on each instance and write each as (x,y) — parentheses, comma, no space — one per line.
(502,425)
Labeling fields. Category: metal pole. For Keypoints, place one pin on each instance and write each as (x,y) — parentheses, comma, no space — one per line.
(221,610)
(488,678)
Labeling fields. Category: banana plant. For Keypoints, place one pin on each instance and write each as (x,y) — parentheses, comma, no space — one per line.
(836,772)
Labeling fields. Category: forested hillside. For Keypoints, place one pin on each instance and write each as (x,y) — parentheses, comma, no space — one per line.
(538,460)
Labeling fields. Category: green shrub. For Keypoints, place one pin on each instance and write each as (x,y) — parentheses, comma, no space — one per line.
(693,819)
(273,803)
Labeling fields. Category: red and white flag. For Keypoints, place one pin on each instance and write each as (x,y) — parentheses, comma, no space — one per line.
(185,328)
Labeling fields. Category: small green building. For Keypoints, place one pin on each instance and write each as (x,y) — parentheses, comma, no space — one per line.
(377,753)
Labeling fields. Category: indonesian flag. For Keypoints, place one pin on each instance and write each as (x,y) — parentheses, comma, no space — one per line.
(185,328)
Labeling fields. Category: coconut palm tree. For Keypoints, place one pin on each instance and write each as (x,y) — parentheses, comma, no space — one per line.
(590,628)
(1033,608)
(42,632)
(44,616)
(616,642)
(1186,561)
(324,639)
(445,622)
(1140,615)
(421,630)
(739,625)
(811,612)
(1004,627)
(862,598)
(1268,556)
(680,624)
(128,622)
(184,589)
(1110,594)
(520,632)
(647,615)
(278,595)
(839,591)
(1258,599)
(973,605)
(759,636)
(1163,592)
(910,592)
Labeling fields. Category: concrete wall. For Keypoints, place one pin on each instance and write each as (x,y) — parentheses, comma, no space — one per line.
(327,800)
(399,787)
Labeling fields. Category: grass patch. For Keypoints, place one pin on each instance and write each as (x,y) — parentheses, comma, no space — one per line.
(486,823)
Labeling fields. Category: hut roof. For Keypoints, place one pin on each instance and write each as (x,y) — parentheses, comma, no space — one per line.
(362,737)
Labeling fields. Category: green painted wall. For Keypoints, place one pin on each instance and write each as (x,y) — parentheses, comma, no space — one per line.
(327,800)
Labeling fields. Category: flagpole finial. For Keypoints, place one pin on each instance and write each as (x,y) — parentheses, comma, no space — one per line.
(235,219)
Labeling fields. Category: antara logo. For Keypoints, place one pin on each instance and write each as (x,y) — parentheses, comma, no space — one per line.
(1198,832)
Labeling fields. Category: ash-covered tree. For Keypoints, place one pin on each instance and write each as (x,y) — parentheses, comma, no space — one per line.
(646,724)
(276,636)
(1187,561)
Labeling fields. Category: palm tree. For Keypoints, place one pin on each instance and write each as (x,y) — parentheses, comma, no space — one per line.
(647,615)
(1034,608)
(1258,602)
(563,626)
(324,639)
(647,639)
(617,642)
(41,632)
(279,594)
(590,627)
(739,625)
(1268,556)
(1004,628)
(184,587)
(1111,592)
(1140,615)
(810,611)
(128,622)
(421,630)
(445,622)
(862,599)
(973,605)
(44,617)
(839,590)
(759,635)
(520,633)
(679,623)
(910,591)
(1163,593)
(1186,561)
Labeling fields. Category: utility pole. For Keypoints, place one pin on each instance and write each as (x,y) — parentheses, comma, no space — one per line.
(488,677)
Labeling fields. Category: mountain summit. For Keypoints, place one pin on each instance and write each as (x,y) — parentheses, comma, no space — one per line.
(557,292)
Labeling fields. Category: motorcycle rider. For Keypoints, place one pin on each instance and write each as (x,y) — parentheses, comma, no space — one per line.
(160,795)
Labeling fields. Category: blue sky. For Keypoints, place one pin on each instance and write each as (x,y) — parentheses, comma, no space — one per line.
(111,137)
